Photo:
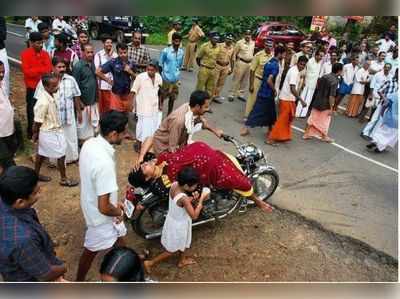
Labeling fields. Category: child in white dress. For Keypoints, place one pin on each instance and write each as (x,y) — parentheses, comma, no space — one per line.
(177,231)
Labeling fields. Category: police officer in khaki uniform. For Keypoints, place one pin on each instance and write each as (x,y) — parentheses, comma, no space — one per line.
(243,55)
(256,75)
(194,35)
(207,61)
(176,27)
(224,66)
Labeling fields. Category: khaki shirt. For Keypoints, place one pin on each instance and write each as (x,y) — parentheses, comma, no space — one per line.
(170,36)
(225,53)
(46,112)
(258,62)
(244,50)
(208,55)
(195,34)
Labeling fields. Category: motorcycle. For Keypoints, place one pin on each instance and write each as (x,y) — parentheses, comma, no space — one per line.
(150,219)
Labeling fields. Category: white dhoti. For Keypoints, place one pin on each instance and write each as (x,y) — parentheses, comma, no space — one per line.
(306,95)
(147,126)
(90,122)
(103,236)
(384,136)
(371,125)
(4,59)
(71,138)
(52,144)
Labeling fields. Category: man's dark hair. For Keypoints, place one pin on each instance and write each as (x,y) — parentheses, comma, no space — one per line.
(17,182)
(198,97)
(42,26)
(62,38)
(47,78)
(123,264)
(113,121)
(279,50)
(122,46)
(58,59)
(303,58)
(381,52)
(337,67)
(105,37)
(188,176)
(176,35)
(137,179)
(82,31)
(1,62)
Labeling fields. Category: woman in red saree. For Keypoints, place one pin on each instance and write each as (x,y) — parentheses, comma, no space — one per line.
(215,169)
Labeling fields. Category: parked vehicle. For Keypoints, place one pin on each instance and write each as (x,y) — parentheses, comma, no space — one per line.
(119,27)
(276,32)
(149,221)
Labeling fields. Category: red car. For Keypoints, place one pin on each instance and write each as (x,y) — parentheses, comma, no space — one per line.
(277,32)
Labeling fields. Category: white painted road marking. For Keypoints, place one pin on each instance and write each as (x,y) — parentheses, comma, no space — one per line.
(16,34)
(356,154)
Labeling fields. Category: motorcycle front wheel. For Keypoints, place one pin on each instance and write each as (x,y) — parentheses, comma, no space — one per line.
(150,221)
(265,183)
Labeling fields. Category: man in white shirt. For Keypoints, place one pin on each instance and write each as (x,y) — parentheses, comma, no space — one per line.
(48,131)
(376,83)
(58,24)
(361,79)
(377,65)
(8,145)
(349,71)
(289,94)
(306,50)
(313,69)
(101,58)
(31,25)
(385,43)
(145,89)
(326,68)
(102,210)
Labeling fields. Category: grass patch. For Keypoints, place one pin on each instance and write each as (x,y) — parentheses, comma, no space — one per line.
(157,39)
(15,20)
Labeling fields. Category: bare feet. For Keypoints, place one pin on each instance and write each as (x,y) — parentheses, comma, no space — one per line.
(270,142)
(186,261)
(327,139)
(306,137)
(244,131)
(264,206)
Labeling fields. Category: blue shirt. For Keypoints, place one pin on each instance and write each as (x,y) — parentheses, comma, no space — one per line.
(122,80)
(270,68)
(391,114)
(171,63)
(49,44)
(26,250)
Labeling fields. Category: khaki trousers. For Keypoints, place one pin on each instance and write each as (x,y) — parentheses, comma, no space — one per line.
(221,74)
(190,55)
(240,78)
(206,79)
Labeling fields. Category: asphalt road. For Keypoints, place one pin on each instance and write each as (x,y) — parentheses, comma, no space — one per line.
(342,186)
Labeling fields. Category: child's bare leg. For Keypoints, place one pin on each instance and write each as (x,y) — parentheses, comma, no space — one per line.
(158,259)
(184,260)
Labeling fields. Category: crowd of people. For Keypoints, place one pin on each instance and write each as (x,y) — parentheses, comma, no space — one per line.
(80,103)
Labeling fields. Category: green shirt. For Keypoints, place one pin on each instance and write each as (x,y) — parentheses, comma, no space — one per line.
(84,74)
